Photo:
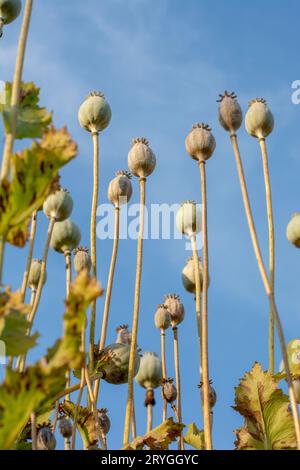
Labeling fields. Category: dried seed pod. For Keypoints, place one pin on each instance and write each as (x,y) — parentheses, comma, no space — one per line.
(120,188)
(188,218)
(65,236)
(65,427)
(124,335)
(141,159)
(162,318)
(45,439)
(82,259)
(175,308)
(230,112)
(200,143)
(188,275)
(95,113)
(9,11)
(116,369)
(150,371)
(259,120)
(293,230)
(212,395)
(58,205)
(104,421)
(169,391)
(35,273)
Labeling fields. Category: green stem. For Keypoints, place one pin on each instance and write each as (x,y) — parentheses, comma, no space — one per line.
(2,247)
(30,253)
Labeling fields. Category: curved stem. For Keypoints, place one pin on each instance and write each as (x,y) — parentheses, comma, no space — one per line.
(16,88)
(149,417)
(30,253)
(205,368)
(109,290)
(271,247)
(164,367)
(178,384)
(135,313)
(267,286)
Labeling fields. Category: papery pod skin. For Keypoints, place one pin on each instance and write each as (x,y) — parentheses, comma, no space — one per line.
(124,335)
(120,189)
(94,114)
(9,10)
(169,391)
(189,218)
(162,317)
(58,205)
(45,439)
(212,395)
(65,427)
(141,159)
(35,273)
(200,143)
(293,230)
(104,421)
(188,275)
(82,259)
(116,371)
(230,112)
(65,236)
(175,308)
(259,120)
(149,375)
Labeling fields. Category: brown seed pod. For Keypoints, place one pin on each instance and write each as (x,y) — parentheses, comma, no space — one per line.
(212,394)
(120,189)
(65,427)
(104,421)
(82,259)
(200,143)
(176,309)
(141,159)
(169,391)
(162,318)
(230,112)
(124,335)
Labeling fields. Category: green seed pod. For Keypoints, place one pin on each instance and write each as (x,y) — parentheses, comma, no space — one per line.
(162,318)
(188,218)
(141,159)
(65,427)
(230,112)
(169,391)
(293,353)
(149,375)
(104,421)
(9,11)
(82,259)
(95,113)
(124,335)
(65,236)
(45,439)
(212,395)
(35,273)
(116,370)
(293,230)
(58,205)
(259,120)
(200,143)
(188,275)
(175,308)
(120,189)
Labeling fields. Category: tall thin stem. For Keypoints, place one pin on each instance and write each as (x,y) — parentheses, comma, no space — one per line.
(271,247)
(267,286)
(178,384)
(133,422)
(82,384)
(30,253)
(2,247)
(16,88)
(198,298)
(205,368)
(33,431)
(67,255)
(135,313)
(164,367)
(149,417)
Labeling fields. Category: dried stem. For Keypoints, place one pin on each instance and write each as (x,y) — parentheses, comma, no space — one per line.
(133,422)
(82,384)
(16,88)
(205,369)
(30,253)
(2,247)
(164,367)
(33,431)
(67,255)
(149,417)
(135,314)
(178,385)
(198,298)
(267,286)
(271,248)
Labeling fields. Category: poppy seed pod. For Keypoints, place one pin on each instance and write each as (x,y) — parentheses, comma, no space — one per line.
(259,120)
(149,375)
(188,218)
(162,318)
(82,259)
(200,143)
(293,230)
(169,391)
(58,205)
(94,114)
(230,112)
(9,11)
(35,273)
(65,236)
(188,275)
(124,335)
(120,189)
(212,395)
(141,159)
(104,421)
(45,439)
(116,370)
(65,427)
(175,308)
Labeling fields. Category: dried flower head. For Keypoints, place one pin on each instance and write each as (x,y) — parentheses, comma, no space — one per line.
(120,188)
(141,159)
(259,120)
(200,143)
(82,259)
(176,309)
(189,218)
(169,391)
(104,421)
(162,318)
(230,112)
(124,335)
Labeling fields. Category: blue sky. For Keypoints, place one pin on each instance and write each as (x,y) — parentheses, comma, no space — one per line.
(161,65)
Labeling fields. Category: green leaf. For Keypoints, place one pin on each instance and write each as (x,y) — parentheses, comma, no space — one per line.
(32,120)
(85,424)
(159,438)
(268,421)
(195,437)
